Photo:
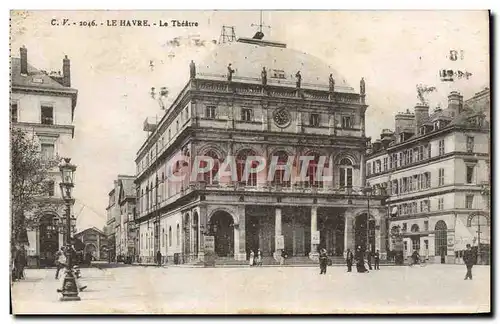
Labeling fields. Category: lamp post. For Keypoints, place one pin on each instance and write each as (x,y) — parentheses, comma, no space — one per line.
(69,287)
(367,191)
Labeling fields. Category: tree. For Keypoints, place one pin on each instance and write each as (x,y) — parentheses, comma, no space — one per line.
(29,180)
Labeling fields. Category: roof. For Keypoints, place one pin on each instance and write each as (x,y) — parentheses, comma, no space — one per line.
(35,77)
(93,228)
(128,187)
(248,58)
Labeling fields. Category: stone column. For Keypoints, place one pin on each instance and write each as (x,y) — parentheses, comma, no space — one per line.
(349,232)
(202,221)
(382,234)
(277,233)
(362,172)
(240,252)
(314,228)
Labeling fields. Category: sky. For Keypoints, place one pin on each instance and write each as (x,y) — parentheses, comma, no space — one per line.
(110,66)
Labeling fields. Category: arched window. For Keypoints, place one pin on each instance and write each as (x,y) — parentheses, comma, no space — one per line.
(170,236)
(312,170)
(209,176)
(345,173)
(415,228)
(281,165)
(241,159)
(441,238)
(178,235)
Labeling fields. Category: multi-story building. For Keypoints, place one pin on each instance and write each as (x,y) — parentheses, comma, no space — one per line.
(435,168)
(120,224)
(257,98)
(43,104)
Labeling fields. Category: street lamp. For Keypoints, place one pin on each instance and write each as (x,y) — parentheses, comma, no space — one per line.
(69,288)
(367,190)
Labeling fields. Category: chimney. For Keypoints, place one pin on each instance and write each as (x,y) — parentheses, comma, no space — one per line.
(403,120)
(455,102)
(24,60)
(66,72)
(421,114)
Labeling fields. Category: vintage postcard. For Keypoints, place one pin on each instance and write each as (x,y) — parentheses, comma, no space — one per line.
(250,162)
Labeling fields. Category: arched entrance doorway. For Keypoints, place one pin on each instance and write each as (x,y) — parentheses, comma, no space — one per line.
(332,234)
(222,228)
(364,236)
(441,237)
(49,239)
(196,233)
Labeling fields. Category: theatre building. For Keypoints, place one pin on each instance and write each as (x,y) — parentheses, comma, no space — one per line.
(257,98)
(436,168)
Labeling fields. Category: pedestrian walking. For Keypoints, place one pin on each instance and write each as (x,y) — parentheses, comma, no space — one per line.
(60,261)
(360,262)
(259,257)
(323,261)
(369,259)
(469,260)
(252,258)
(349,258)
(158,258)
(377,260)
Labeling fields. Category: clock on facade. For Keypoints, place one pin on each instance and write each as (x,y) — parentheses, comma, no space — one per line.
(282,117)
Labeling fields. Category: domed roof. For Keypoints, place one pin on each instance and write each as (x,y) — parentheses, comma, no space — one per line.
(249,56)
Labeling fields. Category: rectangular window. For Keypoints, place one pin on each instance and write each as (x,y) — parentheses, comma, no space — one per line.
(314,120)
(429,151)
(426,226)
(368,168)
(405,245)
(470,144)
(415,183)
(177,125)
(345,177)
(47,151)
(440,203)
(410,156)
(469,200)
(428,180)
(415,244)
(470,174)
(441,147)
(379,166)
(210,112)
(441,177)
(420,153)
(385,164)
(401,159)
(13,112)
(347,122)
(426,244)
(47,115)
(405,227)
(246,114)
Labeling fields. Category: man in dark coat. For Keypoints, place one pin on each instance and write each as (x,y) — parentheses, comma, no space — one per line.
(469,260)
(348,258)
(377,260)
(158,258)
(323,261)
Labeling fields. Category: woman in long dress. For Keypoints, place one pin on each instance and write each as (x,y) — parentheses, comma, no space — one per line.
(360,262)
(252,257)
(259,258)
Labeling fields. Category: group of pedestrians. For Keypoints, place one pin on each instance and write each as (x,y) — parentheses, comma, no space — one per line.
(358,259)
(255,260)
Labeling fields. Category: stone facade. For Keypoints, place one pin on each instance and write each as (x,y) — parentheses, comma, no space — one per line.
(233,121)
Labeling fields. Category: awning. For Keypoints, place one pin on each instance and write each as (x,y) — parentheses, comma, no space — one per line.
(468,235)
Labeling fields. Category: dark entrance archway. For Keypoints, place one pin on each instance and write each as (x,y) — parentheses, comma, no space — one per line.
(49,239)
(222,228)
(441,237)
(363,237)
(331,228)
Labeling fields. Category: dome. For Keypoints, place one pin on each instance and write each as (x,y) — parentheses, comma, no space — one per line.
(249,56)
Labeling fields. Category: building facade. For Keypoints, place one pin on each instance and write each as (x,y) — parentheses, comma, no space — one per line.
(435,169)
(250,102)
(120,222)
(43,104)
(95,243)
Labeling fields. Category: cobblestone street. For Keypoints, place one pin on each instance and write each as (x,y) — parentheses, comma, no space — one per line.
(174,290)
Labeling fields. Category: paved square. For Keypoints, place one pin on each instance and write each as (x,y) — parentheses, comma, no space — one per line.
(173,290)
